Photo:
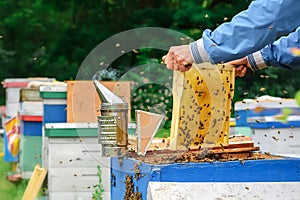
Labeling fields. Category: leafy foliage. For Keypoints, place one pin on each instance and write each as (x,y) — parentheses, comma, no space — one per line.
(270,81)
(97,195)
(52,38)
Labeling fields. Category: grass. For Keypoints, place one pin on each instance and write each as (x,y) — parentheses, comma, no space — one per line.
(8,190)
(163,133)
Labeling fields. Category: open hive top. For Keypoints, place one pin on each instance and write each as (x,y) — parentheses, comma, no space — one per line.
(239,149)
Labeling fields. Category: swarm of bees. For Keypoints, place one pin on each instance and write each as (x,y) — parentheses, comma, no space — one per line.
(130,194)
(204,109)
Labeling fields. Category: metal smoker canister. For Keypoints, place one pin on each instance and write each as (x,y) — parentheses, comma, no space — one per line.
(113,123)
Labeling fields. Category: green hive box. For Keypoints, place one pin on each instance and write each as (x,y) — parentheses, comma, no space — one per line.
(53,92)
(30,154)
(71,130)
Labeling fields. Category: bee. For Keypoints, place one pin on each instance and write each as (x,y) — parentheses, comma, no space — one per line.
(262,89)
(120,161)
(275,138)
(229,95)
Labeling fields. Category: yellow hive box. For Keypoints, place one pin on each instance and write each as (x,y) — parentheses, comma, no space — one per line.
(202,99)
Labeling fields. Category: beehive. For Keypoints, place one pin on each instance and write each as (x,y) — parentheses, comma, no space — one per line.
(202,99)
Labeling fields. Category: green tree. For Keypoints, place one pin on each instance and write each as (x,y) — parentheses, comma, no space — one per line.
(51,37)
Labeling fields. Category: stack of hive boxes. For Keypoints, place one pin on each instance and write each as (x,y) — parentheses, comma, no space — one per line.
(274,122)
(12,90)
(31,118)
(23,104)
(70,147)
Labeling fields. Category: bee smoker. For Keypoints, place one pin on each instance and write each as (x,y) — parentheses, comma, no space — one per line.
(112,122)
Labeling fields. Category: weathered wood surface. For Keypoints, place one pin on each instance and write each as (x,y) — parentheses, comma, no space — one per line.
(83,102)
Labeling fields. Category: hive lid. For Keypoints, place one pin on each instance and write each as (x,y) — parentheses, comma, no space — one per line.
(53,88)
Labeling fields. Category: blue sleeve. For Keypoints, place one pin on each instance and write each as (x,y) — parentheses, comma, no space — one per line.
(249,31)
(280,53)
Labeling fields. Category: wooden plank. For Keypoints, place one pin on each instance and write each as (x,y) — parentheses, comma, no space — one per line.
(83,101)
(201,106)
(35,183)
(235,150)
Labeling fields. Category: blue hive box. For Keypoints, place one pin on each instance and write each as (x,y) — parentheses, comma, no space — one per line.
(275,171)
(55,103)
(31,125)
(266,113)
(55,111)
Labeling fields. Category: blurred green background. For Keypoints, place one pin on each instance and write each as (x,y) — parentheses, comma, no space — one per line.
(51,38)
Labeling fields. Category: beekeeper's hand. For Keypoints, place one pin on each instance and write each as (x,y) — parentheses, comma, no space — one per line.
(242,65)
(178,58)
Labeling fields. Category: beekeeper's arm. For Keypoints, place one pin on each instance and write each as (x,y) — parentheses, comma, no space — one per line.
(283,53)
(249,31)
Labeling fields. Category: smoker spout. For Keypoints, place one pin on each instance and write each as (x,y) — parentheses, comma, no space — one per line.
(105,95)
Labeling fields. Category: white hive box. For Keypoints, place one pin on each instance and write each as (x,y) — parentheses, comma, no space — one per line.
(272,130)
(71,152)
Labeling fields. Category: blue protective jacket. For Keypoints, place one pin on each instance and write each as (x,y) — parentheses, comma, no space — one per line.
(254,33)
